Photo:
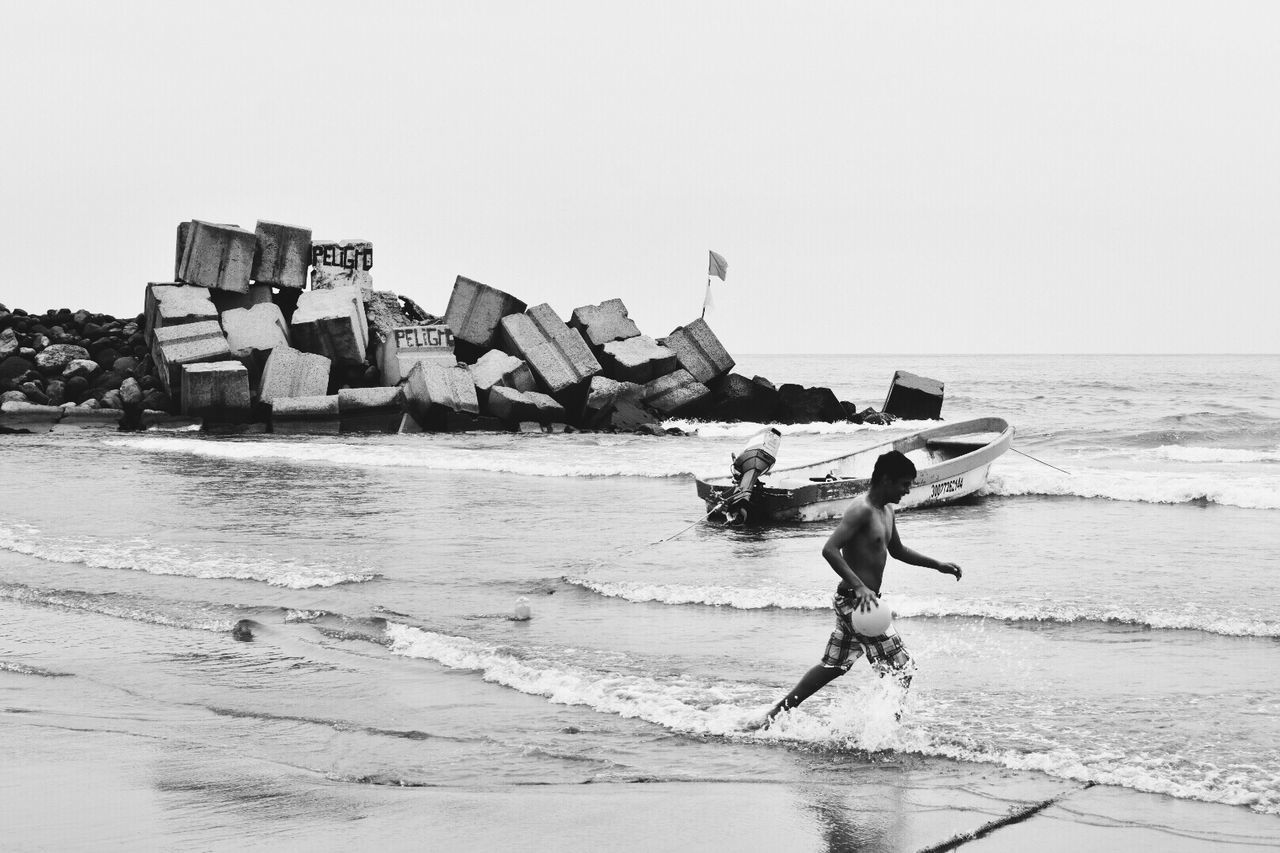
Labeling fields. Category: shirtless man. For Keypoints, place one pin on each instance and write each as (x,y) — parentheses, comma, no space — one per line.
(857,552)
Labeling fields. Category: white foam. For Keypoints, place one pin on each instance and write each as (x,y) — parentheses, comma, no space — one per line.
(861,718)
(142,556)
(1163,487)
(1190,617)
(1179,453)
(119,609)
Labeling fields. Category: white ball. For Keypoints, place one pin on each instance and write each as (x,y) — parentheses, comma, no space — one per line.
(873,622)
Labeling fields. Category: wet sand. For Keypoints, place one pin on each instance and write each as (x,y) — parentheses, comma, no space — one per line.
(121,792)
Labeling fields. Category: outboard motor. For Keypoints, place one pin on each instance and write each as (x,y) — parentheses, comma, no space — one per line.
(754,461)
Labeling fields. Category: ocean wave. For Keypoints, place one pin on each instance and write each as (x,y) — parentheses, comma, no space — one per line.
(860,720)
(1180,453)
(1249,492)
(168,614)
(142,556)
(27,669)
(1189,618)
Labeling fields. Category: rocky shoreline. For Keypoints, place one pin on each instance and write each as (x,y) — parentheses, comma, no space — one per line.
(270,331)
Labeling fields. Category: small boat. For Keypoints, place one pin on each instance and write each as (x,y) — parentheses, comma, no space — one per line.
(951,462)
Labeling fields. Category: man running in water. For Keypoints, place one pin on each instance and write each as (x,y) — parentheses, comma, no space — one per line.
(857,551)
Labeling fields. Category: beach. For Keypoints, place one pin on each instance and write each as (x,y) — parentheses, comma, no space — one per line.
(1105,676)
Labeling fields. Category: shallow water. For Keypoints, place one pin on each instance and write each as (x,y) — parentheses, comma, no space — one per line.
(1116,625)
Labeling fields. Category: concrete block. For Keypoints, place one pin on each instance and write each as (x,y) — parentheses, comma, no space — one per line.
(512,406)
(673,392)
(497,368)
(408,345)
(28,417)
(637,359)
(737,398)
(284,253)
(558,356)
(385,314)
(216,256)
(175,346)
(261,327)
(475,311)
(432,391)
(225,300)
(913,397)
(293,373)
(174,305)
(800,405)
(316,415)
(601,397)
(215,390)
(699,351)
(332,323)
(341,263)
(370,409)
(408,426)
(76,418)
(600,324)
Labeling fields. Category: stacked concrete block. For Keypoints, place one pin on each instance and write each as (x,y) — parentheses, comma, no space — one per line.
(332,323)
(225,300)
(16,416)
(189,343)
(673,392)
(215,256)
(293,373)
(699,351)
(512,406)
(316,415)
(603,323)
(78,418)
(475,312)
(217,389)
(261,328)
(409,345)
(559,357)
(637,359)
(283,255)
(498,369)
(370,409)
(916,398)
(174,305)
(434,391)
(385,314)
(341,263)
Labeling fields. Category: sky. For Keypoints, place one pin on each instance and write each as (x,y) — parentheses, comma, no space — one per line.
(944,177)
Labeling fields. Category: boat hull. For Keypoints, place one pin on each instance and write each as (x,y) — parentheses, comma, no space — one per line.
(804,494)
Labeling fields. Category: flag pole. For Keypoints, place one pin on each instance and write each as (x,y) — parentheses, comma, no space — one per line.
(705,298)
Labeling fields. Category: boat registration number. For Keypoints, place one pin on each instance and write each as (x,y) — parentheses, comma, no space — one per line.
(947,487)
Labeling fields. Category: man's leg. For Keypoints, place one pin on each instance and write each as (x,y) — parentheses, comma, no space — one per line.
(814,680)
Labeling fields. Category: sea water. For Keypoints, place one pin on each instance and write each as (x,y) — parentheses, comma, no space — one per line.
(1118,621)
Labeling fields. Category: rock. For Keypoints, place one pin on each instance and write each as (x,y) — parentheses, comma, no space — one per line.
(341,263)
(801,405)
(27,417)
(512,406)
(406,346)
(8,343)
(14,366)
(53,359)
(34,393)
(112,400)
(89,418)
(558,356)
(131,392)
(283,255)
(475,312)
(84,368)
(77,388)
(13,397)
(156,400)
(215,256)
(699,351)
(125,364)
(496,368)
(636,359)
(56,391)
(414,312)
(871,416)
(603,323)
(734,397)
(913,397)
(383,311)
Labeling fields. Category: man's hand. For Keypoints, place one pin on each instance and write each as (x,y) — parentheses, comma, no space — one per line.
(866,598)
(950,569)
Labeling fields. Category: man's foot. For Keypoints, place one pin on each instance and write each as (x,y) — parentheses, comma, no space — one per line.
(764,723)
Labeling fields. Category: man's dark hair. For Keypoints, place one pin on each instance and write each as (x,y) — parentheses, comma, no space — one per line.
(893,465)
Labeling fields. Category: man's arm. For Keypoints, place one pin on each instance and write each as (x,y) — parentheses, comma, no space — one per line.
(851,523)
(901,552)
